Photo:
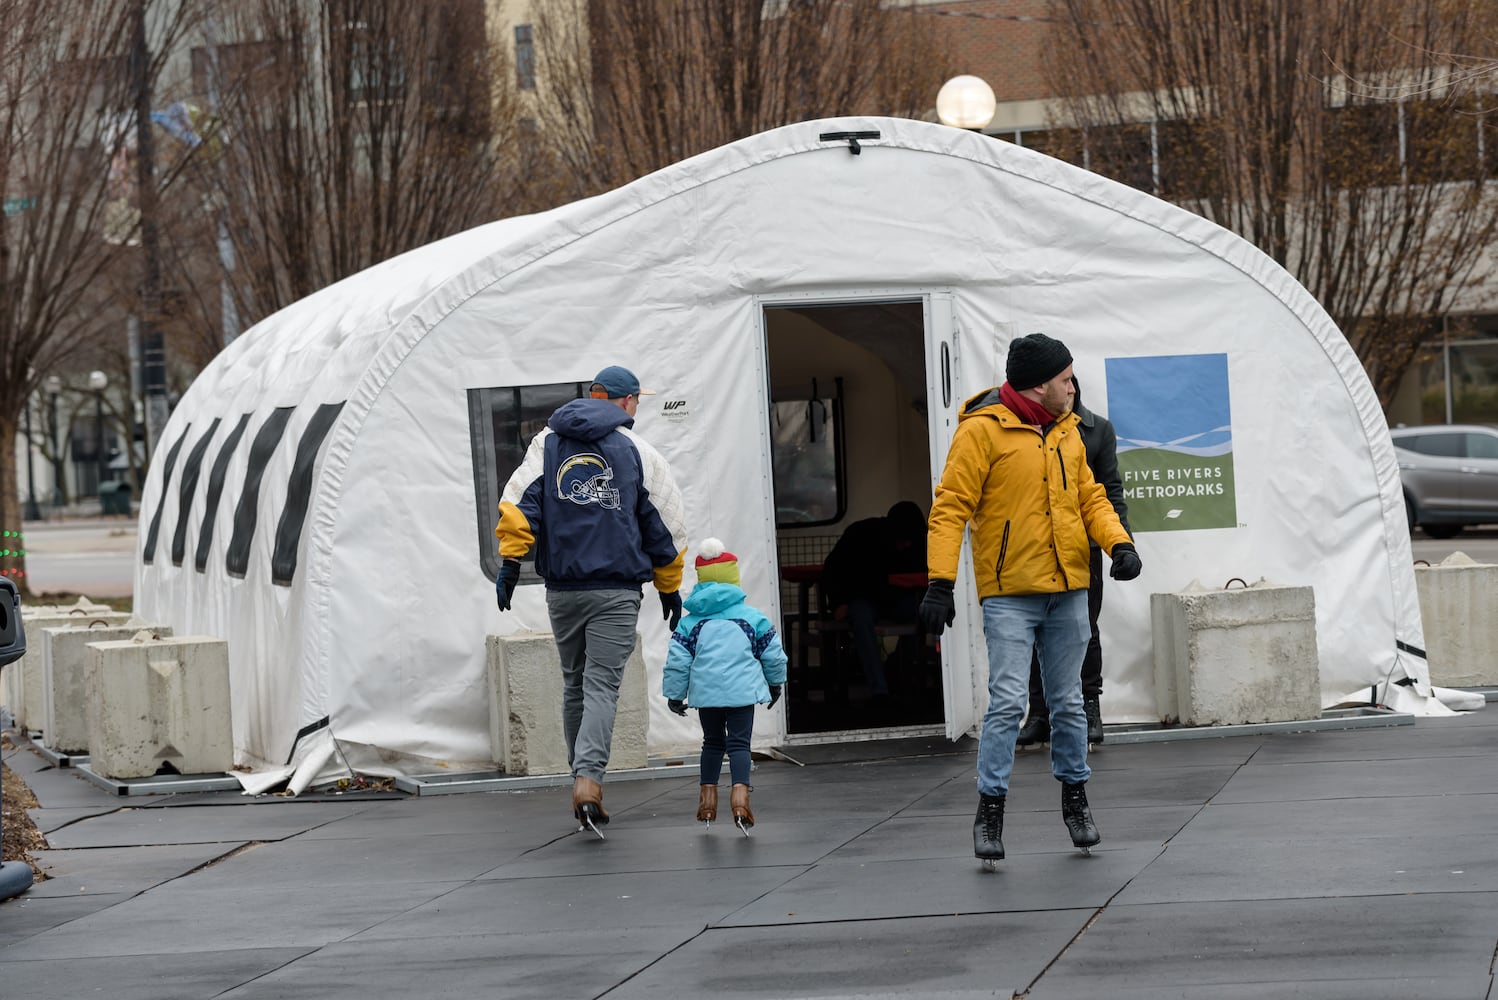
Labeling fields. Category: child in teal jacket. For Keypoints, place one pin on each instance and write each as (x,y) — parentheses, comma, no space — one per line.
(724,659)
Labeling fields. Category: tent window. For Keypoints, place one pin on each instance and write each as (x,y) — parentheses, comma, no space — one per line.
(298,491)
(148,553)
(806,439)
(189,486)
(248,510)
(501,422)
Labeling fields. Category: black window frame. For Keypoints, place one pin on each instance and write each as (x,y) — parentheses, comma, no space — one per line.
(832,411)
(499,446)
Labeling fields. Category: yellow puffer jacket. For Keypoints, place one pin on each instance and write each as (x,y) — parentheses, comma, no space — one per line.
(1032,501)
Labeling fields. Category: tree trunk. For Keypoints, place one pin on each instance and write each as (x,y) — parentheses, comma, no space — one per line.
(13,539)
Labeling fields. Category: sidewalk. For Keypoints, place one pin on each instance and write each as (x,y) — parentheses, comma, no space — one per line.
(1354,864)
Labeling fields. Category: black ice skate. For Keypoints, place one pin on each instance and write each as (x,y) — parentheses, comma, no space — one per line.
(1094,721)
(988,831)
(1035,731)
(1078,817)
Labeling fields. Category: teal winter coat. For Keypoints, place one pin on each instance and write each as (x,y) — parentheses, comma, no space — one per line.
(724,653)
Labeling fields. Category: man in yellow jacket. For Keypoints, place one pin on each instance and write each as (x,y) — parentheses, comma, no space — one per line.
(1017,472)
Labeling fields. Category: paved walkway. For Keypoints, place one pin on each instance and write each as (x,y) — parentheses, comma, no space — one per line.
(1321,865)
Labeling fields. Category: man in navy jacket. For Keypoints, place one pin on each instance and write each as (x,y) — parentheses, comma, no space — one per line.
(602,512)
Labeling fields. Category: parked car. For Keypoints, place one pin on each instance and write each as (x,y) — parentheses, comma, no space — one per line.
(1450,476)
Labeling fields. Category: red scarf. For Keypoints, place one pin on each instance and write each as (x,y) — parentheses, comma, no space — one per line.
(1024,407)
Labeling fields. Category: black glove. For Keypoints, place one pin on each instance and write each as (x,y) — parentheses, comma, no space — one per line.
(775,690)
(671,607)
(504,583)
(938,607)
(1126,564)
(677,705)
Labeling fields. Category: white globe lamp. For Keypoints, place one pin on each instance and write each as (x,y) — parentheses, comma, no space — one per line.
(965,102)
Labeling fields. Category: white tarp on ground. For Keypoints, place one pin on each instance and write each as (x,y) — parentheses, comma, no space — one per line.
(381,626)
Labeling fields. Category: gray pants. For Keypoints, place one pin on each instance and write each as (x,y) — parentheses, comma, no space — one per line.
(595,635)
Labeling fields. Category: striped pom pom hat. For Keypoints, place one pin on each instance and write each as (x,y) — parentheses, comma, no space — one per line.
(715,564)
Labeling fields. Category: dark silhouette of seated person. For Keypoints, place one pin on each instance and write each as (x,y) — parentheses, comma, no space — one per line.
(876,573)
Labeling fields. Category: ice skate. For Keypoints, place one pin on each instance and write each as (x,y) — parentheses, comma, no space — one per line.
(707,805)
(743,816)
(1036,732)
(587,805)
(1094,714)
(1078,817)
(988,831)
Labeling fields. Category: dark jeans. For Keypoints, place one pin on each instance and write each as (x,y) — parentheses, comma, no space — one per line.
(726,729)
(902,605)
(1092,663)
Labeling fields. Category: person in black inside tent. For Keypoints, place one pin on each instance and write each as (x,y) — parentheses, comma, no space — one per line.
(862,579)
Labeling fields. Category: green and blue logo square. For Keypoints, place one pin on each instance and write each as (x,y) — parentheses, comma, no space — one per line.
(1175,440)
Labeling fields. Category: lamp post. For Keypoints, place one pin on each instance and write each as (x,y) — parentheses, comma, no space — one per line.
(32,511)
(53,387)
(966,102)
(98,381)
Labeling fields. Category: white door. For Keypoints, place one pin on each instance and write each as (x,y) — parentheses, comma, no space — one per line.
(962,643)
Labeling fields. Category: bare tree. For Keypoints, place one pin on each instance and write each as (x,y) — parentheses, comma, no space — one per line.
(1337,135)
(630,86)
(348,131)
(66,116)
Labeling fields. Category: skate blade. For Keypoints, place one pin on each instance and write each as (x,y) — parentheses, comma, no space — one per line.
(740,824)
(990,864)
(1086,851)
(588,825)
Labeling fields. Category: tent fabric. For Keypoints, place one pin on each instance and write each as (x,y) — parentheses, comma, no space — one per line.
(382,626)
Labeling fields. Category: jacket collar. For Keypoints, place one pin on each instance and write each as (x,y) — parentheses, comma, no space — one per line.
(1084,415)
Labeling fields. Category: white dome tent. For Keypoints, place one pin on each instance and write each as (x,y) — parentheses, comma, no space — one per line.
(326,493)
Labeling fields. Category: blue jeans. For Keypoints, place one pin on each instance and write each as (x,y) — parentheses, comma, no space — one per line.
(726,729)
(1055,625)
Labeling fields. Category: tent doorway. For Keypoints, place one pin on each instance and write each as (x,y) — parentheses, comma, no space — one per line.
(851,430)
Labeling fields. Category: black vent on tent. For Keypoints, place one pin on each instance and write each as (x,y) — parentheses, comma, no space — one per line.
(246,513)
(148,552)
(298,491)
(851,138)
(190,470)
(215,491)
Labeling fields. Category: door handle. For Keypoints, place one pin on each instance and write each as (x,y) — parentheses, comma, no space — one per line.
(946,375)
(1468,468)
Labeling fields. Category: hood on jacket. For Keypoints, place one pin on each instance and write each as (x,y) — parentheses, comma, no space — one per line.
(1086,416)
(588,419)
(709,598)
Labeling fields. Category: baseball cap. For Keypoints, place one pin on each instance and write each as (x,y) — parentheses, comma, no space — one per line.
(617,382)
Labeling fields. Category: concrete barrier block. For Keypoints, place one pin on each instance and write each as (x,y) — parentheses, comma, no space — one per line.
(159,704)
(1461,632)
(64,657)
(525,707)
(30,688)
(1168,638)
(1241,655)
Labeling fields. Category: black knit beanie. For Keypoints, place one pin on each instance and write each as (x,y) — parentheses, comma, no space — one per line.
(1035,359)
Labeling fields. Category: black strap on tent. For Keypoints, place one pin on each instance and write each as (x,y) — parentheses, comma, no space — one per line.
(298,492)
(148,552)
(246,513)
(215,490)
(1405,647)
(850,137)
(189,487)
